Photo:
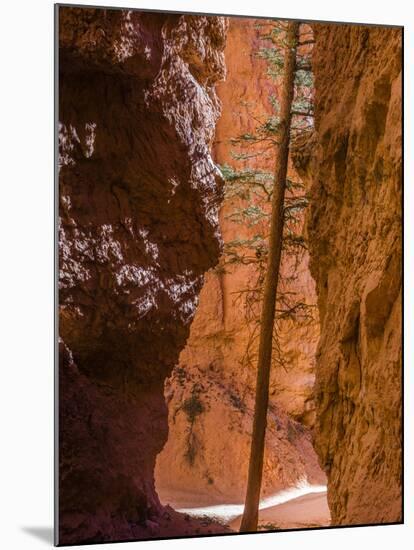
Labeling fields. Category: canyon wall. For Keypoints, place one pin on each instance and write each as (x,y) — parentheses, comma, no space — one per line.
(138,212)
(139,226)
(353,166)
(210,394)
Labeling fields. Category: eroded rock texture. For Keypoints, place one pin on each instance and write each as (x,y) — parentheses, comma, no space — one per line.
(139,197)
(353,163)
(207,453)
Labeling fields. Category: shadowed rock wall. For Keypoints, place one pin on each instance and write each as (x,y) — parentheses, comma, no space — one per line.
(139,197)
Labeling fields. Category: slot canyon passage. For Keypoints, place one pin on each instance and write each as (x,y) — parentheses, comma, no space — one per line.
(160,252)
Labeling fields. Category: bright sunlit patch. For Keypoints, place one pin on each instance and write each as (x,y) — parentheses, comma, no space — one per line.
(228,512)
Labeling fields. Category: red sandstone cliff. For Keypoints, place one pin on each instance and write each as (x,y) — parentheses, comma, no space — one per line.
(353,164)
(139,199)
(139,196)
(209,453)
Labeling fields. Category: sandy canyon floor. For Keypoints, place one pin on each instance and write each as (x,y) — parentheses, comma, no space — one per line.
(298,507)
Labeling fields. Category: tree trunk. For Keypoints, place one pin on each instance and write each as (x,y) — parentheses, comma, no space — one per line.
(251,507)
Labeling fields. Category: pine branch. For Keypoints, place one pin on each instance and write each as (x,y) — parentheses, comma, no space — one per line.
(302,113)
(305,67)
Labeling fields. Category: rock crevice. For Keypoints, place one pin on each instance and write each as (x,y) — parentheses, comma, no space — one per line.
(213,364)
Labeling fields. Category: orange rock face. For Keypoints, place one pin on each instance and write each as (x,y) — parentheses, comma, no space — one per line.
(210,394)
(353,164)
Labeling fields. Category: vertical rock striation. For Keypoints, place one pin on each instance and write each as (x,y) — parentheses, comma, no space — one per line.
(353,163)
(139,197)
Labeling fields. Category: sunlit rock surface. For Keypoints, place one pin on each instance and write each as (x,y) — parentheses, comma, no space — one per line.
(353,164)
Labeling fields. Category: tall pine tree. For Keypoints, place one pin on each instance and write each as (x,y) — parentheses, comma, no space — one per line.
(251,509)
